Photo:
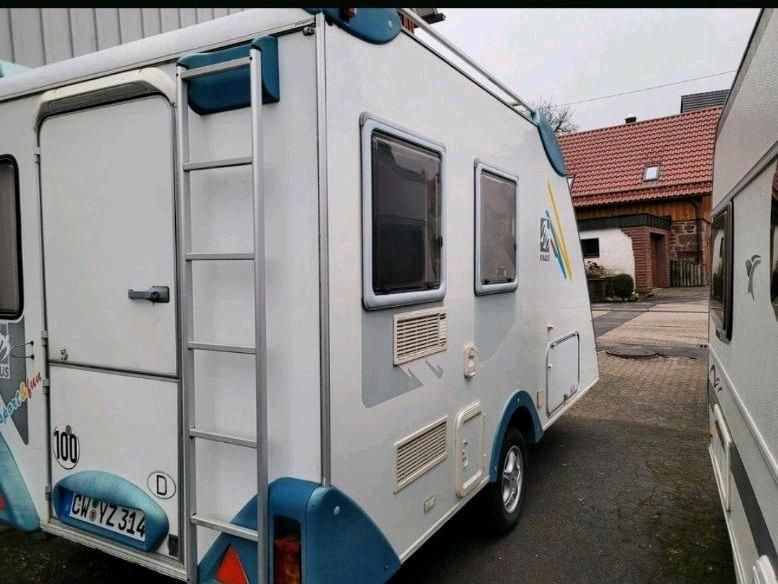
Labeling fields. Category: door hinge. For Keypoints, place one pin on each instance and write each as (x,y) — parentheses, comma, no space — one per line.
(36,155)
(47,492)
(45,385)
(45,338)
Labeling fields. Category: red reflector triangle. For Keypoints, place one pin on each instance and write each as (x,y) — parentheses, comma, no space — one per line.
(231,570)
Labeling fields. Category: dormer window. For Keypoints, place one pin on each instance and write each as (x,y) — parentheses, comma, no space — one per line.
(651,172)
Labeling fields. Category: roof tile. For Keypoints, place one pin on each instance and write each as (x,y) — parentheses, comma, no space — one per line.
(608,163)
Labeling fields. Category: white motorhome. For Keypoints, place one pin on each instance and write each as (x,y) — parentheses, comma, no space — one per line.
(743,374)
(281,293)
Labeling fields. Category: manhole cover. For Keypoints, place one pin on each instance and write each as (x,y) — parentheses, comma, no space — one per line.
(632,353)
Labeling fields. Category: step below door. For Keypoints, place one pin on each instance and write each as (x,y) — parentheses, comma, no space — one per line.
(109,251)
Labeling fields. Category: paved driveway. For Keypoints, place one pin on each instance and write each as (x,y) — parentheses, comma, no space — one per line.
(620,489)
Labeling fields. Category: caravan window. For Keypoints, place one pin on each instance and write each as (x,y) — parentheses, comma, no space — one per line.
(402,217)
(10,248)
(774,244)
(496,195)
(721,273)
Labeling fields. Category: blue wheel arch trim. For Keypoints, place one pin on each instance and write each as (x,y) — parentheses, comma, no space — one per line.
(229,90)
(340,543)
(550,143)
(373,25)
(111,489)
(520,399)
(19,511)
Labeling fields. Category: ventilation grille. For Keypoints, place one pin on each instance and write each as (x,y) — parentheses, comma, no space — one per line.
(419,452)
(419,333)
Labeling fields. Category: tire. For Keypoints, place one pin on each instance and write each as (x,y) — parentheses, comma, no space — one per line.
(504,498)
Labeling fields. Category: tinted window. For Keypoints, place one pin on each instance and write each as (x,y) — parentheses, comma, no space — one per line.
(721,279)
(590,247)
(406,199)
(497,229)
(774,244)
(10,268)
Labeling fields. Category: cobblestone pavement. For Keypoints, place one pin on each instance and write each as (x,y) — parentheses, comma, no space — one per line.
(620,490)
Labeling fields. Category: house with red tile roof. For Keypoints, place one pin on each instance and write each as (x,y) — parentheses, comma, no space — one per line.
(642,195)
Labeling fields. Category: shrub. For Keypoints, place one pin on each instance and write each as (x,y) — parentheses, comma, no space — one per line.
(623,285)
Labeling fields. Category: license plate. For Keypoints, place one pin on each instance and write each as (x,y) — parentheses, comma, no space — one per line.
(115,518)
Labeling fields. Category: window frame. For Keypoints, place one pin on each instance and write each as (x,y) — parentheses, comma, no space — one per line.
(372,301)
(723,326)
(482,289)
(645,172)
(4,314)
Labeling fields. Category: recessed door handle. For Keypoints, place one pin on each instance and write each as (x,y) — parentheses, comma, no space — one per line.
(153,294)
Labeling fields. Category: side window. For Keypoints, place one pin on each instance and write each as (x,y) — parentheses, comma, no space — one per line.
(721,273)
(591,247)
(403,217)
(496,200)
(774,244)
(10,235)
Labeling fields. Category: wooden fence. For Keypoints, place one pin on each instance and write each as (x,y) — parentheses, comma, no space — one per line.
(684,274)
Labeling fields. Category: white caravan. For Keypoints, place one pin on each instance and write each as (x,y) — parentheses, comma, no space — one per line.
(281,293)
(743,374)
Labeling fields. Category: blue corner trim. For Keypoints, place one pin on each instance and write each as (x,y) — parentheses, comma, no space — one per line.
(373,25)
(550,144)
(111,489)
(19,511)
(7,68)
(340,542)
(229,90)
(520,399)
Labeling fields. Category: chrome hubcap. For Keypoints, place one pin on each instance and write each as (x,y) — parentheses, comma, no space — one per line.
(511,479)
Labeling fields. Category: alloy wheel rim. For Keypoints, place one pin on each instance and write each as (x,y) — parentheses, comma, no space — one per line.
(511,479)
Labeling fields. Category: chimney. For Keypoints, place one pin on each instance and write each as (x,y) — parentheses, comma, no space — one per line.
(630,120)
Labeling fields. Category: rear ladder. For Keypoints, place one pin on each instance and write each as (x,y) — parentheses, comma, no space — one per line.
(190,344)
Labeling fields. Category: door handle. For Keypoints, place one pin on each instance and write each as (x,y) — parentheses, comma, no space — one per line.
(153,294)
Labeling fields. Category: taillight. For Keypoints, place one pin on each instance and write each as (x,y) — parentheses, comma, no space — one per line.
(231,570)
(2,502)
(348,13)
(287,565)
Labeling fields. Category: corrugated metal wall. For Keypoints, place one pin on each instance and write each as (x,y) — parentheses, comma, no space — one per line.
(39,36)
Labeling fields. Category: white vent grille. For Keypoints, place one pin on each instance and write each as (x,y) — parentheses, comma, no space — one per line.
(419,452)
(419,333)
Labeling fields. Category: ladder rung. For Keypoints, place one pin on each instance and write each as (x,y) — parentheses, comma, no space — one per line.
(223,163)
(223,348)
(224,438)
(217,257)
(216,68)
(224,527)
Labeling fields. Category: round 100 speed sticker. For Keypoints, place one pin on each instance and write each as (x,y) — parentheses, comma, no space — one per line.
(65,447)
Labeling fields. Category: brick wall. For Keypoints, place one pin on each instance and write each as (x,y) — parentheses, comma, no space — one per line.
(643,249)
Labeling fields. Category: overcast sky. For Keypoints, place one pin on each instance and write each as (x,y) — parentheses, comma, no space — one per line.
(571,55)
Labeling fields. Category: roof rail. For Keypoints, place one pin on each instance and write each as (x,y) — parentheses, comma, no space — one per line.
(422,24)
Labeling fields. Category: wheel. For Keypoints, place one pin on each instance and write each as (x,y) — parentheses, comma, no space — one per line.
(504,498)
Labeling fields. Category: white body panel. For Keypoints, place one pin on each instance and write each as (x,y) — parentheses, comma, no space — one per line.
(313,186)
(744,371)
(372,407)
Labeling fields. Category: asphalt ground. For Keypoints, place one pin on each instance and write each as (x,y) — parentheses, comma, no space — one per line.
(620,489)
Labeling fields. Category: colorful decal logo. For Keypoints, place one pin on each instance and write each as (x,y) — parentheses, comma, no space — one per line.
(552,238)
(20,397)
(750,269)
(5,352)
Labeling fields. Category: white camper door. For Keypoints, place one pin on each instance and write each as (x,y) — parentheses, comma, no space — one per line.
(109,242)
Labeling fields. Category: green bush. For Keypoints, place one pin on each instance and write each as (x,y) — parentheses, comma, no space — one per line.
(623,285)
